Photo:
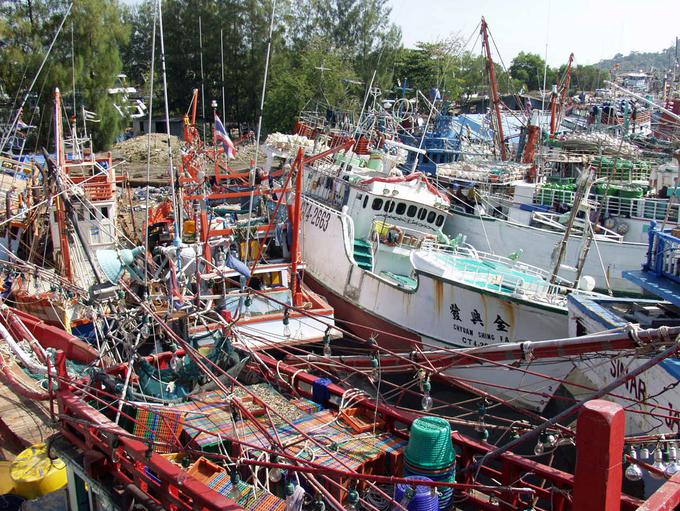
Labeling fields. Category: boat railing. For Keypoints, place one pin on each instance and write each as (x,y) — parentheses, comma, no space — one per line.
(533,283)
(663,256)
(398,236)
(553,221)
(645,208)
(328,189)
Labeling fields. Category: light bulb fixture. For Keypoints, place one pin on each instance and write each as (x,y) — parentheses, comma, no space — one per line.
(375,364)
(550,441)
(352,500)
(658,464)
(633,471)
(286,325)
(426,402)
(235,491)
(673,466)
(540,445)
(275,474)
(213,103)
(644,454)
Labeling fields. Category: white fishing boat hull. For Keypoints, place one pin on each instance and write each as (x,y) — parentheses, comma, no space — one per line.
(606,261)
(644,394)
(435,312)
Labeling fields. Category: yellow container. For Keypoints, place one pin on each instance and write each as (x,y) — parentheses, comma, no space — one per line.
(6,483)
(34,474)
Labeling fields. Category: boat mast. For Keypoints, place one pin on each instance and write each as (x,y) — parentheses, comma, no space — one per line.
(295,256)
(60,210)
(495,97)
(585,182)
(176,205)
(555,114)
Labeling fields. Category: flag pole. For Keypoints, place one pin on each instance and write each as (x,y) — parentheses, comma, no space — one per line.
(224,113)
(259,128)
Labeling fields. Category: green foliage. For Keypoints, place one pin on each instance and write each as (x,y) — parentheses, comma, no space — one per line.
(528,69)
(640,61)
(98,33)
(588,78)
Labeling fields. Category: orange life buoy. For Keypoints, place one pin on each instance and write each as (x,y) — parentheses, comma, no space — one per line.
(394,236)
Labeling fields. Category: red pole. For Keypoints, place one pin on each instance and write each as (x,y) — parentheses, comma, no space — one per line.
(553,113)
(295,249)
(599,456)
(495,96)
(529,154)
(60,209)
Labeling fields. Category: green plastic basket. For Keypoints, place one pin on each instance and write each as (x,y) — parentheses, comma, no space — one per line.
(429,444)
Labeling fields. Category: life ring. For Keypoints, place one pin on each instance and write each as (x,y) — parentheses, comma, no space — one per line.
(394,236)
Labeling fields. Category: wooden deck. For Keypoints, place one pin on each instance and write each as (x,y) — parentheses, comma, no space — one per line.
(23,422)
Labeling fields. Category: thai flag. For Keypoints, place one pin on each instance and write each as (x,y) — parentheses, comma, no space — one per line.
(221,135)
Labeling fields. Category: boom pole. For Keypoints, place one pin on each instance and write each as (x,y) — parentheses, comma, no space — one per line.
(557,110)
(495,96)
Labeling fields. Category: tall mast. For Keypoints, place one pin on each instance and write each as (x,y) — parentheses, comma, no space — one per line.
(557,108)
(60,211)
(495,96)
(176,205)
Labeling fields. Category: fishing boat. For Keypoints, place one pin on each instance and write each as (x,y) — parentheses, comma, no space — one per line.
(153,433)
(230,232)
(653,391)
(522,215)
(78,200)
(375,250)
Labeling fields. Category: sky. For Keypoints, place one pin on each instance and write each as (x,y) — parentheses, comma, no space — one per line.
(592,29)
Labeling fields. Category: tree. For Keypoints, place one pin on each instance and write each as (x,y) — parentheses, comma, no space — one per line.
(93,60)
(528,69)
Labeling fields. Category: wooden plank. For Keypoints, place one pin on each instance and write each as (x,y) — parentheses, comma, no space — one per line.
(24,421)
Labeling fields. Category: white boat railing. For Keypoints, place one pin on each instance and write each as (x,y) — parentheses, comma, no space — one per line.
(404,237)
(644,208)
(552,220)
(537,287)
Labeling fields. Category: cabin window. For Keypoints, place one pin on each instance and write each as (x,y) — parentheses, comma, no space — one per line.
(389,206)
(401,207)
(365,201)
(422,213)
(105,211)
(411,211)
(440,220)
(81,214)
(431,216)
(377,204)
(93,214)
